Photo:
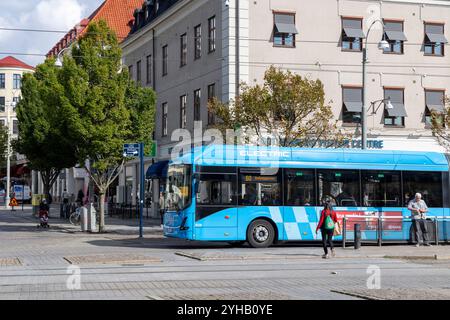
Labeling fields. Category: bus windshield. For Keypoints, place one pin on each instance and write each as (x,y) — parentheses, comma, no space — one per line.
(178,187)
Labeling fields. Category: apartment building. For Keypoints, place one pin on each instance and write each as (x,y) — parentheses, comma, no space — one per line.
(191,50)
(11,72)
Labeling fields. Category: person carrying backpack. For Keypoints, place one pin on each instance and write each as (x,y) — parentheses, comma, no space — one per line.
(327,222)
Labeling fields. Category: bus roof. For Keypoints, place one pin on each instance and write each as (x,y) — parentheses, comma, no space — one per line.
(254,156)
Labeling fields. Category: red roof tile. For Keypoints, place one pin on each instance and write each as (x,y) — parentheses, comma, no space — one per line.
(116,13)
(11,62)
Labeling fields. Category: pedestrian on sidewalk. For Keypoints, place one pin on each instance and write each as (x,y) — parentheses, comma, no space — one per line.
(326,224)
(161,207)
(418,209)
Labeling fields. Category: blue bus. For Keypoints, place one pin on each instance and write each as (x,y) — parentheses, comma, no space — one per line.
(265,195)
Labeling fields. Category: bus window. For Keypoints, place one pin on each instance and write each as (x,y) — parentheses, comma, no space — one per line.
(429,184)
(216,189)
(340,186)
(299,190)
(260,187)
(381,188)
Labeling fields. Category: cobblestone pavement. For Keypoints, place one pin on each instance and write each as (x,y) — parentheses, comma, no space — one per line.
(34,264)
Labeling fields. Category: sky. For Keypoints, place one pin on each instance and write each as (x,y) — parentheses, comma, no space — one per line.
(61,15)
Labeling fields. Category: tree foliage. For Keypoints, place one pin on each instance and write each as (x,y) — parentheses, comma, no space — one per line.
(107,108)
(44,127)
(288,108)
(440,125)
(3,144)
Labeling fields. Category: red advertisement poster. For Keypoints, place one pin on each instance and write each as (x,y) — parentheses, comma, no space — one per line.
(368,220)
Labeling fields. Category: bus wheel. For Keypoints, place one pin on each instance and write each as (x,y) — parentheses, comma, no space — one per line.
(260,234)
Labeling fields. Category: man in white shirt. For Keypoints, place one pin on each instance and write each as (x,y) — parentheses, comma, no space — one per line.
(418,209)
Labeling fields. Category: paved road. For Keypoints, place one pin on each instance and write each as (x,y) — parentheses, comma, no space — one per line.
(118,265)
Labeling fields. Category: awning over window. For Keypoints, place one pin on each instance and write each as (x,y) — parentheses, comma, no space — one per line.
(436,37)
(353,106)
(396,35)
(353,99)
(157,170)
(399,110)
(285,23)
(435,101)
(354,33)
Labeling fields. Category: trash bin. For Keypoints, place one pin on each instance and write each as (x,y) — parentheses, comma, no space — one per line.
(92,219)
(84,219)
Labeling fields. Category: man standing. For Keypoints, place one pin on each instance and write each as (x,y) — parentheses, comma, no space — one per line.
(418,208)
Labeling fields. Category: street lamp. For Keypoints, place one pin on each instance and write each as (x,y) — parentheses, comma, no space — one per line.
(8,153)
(383,44)
(58,62)
(387,103)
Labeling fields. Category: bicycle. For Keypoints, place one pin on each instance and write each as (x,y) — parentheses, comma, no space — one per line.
(75,217)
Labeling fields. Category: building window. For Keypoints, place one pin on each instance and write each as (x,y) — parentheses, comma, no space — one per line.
(138,71)
(198,41)
(15,127)
(211,96)
(352,34)
(395,36)
(2,104)
(434,102)
(434,39)
(149,69)
(2,81)
(352,105)
(164,119)
(15,102)
(17,81)
(212,34)
(183,118)
(164,60)
(284,30)
(197,104)
(130,72)
(183,50)
(396,115)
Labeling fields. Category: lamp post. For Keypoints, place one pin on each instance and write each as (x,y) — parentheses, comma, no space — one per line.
(383,44)
(8,154)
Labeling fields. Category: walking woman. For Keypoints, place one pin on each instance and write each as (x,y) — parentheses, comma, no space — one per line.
(327,222)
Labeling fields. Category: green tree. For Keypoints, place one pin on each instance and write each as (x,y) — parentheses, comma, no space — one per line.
(440,124)
(44,126)
(3,145)
(108,109)
(286,107)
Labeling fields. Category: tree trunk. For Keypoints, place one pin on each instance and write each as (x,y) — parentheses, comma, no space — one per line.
(101,223)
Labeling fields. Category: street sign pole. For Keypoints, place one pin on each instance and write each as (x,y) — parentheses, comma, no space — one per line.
(141,197)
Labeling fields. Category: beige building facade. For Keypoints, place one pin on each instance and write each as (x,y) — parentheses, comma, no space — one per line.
(190,50)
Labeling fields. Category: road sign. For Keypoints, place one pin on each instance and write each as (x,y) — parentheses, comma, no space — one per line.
(131,149)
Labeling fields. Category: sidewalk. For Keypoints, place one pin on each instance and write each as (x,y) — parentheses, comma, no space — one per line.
(113,225)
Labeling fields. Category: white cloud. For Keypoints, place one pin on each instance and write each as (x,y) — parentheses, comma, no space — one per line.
(40,14)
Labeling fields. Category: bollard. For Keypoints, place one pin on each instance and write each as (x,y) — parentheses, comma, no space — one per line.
(380,232)
(344,232)
(357,236)
(436,231)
